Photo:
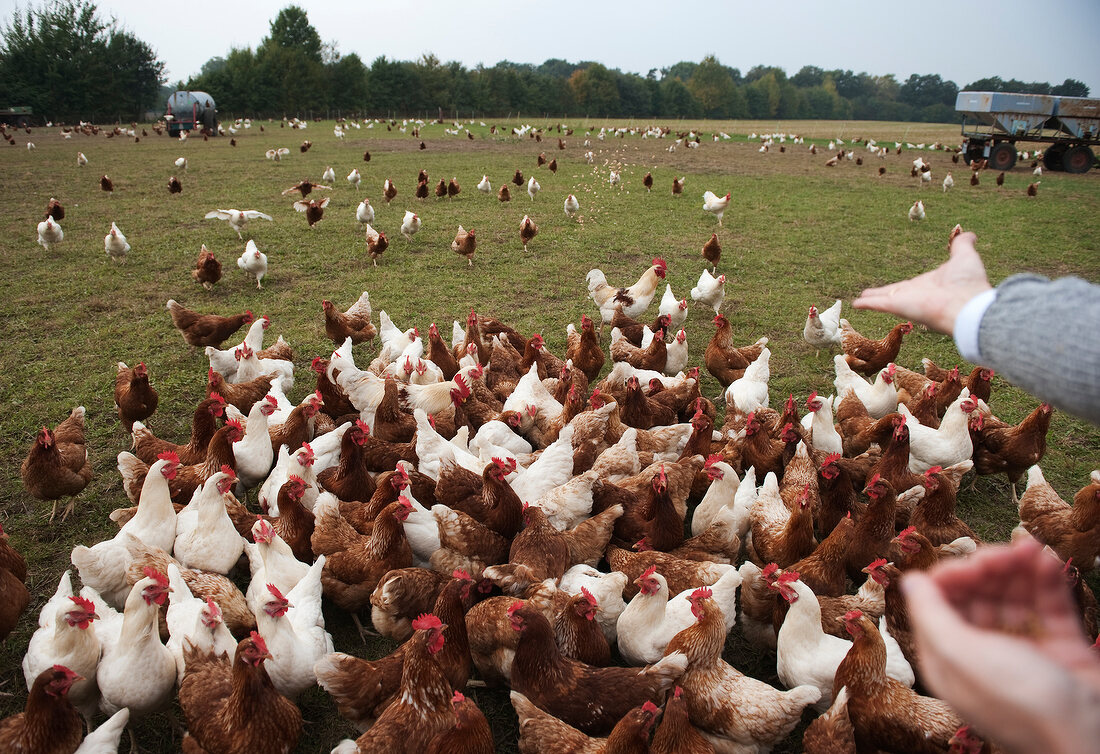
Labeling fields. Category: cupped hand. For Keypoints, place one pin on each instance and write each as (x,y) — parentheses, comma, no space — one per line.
(934,298)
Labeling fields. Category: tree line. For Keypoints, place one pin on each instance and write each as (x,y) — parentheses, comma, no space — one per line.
(52,58)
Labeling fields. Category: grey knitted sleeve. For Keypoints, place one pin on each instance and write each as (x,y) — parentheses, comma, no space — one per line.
(1044,336)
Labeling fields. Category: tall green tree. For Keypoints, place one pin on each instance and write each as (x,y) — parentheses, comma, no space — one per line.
(67,63)
(712,85)
(291,30)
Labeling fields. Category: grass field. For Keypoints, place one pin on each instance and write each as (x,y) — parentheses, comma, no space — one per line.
(796,233)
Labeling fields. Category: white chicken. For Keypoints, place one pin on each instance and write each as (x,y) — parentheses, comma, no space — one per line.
(710,290)
(948,182)
(607,588)
(805,654)
(252,454)
(720,495)
(354,178)
(614,178)
(105,738)
(194,621)
(294,629)
(49,233)
(651,619)
(715,205)
(633,300)
(81,160)
(533,187)
(750,392)
(271,561)
(410,225)
(572,206)
(181,163)
(364,213)
(103,566)
(677,354)
(253,261)
(65,637)
(205,537)
(237,218)
(819,420)
(299,464)
(946,446)
(114,243)
(916,212)
(136,671)
(822,329)
(328,176)
(879,398)
(484,185)
(676,310)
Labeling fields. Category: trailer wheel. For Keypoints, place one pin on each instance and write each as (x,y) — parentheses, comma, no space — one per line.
(1052,157)
(1078,159)
(1002,156)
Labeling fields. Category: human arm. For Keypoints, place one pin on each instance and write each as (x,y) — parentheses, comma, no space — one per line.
(1000,640)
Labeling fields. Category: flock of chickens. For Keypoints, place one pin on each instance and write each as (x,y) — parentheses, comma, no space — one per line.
(515,520)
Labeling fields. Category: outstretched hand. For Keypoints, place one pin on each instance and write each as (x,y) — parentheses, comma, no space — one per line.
(934,298)
(1000,639)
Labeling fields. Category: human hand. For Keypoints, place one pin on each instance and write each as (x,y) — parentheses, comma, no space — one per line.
(1000,640)
(934,298)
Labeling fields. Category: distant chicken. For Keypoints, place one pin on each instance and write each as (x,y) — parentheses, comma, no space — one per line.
(504,195)
(305,187)
(208,270)
(305,146)
(527,230)
(329,175)
(916,212)
(647,181)
(315,210)
(135,398)
(572,206)
(364,213)
(440,188)
(715,205)
(205,329)
(484,186)
(677,185)
(355,323)
(354,178)
(389,191)
(712,251)
(114,243)
(81,160)
(465,243)
(376,244)
(253,261)
(57,464)
(55,210)
(710,290)
(49,233)
(1033,188)
(453,189)
(237,218)
(174,185)
(552,166)
(533,188)
(410,225)
(948,182)
(518,178)
(107,184)
(1000,179)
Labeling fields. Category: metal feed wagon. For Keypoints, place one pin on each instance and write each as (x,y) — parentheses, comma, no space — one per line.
(187,111)
(994,121)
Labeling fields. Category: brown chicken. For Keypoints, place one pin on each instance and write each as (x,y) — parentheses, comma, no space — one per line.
(934,516)
(831,733)
(590,699)
(240,394)
(639,411)
(421,189)
(869,356)
(314,210)
(376,244)
(875,527)
(471,733)
(135,398)
(577,633)
(335,400)
(441,189)
(147,446)
(979,381)
(57,464)
(295,522)
(305,187)
(354,323)
(106,184)
(363,689)
(1071,531)
(219,452)
(712,251)
(231,706)
(1010,450)
(527,231)
(654,518)
(677,185)
(465,244)
(824,570)
(724,361)
(858,431)
(885,713)
(174,185)
(453,189)
(679,573)
(584,350)
(518,178)
(401,595)
(653,357)
(208,270)
(350,480)
(55,210)
(422,708)
(553,165)
(504,194)
(836,490)
(205,329)
(14,596)
(49,724)
(542,733)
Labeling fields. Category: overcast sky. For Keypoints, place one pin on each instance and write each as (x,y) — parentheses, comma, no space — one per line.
(1032,41)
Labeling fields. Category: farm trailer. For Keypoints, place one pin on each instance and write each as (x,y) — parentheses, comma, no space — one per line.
(20,117)
(994,121)
(188,111)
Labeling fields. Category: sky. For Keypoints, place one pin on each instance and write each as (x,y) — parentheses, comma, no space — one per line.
(1048,41)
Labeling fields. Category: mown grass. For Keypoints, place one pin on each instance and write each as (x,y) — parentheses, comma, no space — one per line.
(796,233)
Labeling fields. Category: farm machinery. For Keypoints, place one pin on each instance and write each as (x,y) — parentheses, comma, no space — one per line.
(189,111)
(994,121)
